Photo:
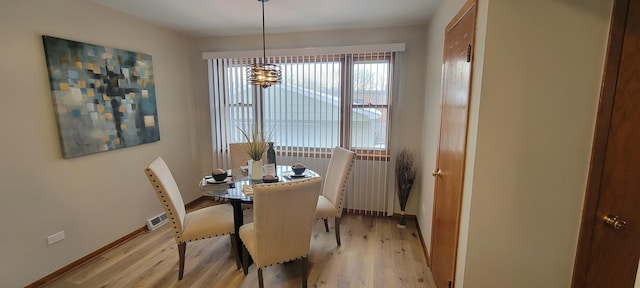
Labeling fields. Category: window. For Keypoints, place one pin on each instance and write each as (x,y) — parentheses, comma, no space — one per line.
(324,101)
(370,104)
(337,98)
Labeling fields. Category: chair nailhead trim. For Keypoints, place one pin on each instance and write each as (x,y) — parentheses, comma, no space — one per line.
(344,187)
(172,215)
(212,236)
(285,261)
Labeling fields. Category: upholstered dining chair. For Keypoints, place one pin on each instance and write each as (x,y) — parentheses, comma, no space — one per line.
(200,224)
(335,184)
(239,157)
(283,216)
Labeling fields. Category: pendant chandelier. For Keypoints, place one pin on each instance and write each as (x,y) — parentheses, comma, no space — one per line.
(264,74)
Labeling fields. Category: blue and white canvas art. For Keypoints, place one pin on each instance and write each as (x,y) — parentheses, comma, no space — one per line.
(104,98)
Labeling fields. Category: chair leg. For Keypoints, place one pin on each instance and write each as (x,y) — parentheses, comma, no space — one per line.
(305,271)
(260,282)
(245,260)
(337,219)
(182,247)
(234,249)
(326,224)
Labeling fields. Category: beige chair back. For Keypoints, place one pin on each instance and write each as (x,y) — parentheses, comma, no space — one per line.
(335,182)
(284,214)
(168,194)
(237,155)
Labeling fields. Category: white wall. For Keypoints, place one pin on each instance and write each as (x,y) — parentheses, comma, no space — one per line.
(541,74)
(537,71)
(95,199)
(407,116)
(637,284)
(99,198)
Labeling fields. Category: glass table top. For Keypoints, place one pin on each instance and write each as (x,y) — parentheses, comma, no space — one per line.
(232,187)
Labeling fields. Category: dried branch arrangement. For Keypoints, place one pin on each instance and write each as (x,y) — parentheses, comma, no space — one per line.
(256,144)
(405,176)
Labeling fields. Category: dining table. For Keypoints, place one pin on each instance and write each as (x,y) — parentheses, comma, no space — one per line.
(236,189)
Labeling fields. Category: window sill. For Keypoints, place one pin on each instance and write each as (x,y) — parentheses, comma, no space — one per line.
(372,155)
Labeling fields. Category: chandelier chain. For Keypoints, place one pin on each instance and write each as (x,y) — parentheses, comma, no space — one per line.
(264,42)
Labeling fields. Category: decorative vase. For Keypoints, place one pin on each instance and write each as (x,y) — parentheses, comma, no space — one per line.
(256,170)
(403,221)
(271,156)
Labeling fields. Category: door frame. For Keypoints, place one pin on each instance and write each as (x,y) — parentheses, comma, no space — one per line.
(600,139)
(470,6)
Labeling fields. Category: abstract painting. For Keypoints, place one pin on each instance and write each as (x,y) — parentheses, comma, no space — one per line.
(104,98)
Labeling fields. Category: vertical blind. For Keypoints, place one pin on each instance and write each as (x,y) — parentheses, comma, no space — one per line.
(324,101)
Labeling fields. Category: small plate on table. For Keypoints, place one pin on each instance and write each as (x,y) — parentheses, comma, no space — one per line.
(295,176)
(274,180)
(213,181)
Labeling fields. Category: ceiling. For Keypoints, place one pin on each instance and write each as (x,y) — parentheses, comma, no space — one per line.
(205,18)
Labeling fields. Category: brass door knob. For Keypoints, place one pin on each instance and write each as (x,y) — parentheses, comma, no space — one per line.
(614,221)
(435,173)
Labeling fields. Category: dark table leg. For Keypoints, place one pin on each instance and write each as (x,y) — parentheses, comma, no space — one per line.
(238,220)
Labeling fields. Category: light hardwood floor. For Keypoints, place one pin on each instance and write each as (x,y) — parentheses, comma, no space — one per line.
(374,253)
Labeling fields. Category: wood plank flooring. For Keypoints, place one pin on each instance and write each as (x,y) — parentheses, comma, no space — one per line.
(374,253)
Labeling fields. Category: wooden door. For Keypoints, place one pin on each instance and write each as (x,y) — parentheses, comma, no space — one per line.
(456,82)
(608,252)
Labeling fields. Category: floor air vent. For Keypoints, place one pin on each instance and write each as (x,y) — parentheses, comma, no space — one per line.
(157,221)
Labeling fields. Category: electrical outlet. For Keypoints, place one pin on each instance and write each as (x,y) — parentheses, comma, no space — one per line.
(424,210)
(53,238)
